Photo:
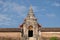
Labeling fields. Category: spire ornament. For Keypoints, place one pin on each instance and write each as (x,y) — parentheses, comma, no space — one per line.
(30,14)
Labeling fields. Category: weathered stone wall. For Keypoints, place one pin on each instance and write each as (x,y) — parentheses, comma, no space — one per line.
(10,34)
(44,35)
(50,34)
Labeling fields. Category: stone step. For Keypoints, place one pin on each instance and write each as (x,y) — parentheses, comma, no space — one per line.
(32,38)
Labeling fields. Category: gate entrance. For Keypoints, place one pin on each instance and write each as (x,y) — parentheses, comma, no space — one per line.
(30,33)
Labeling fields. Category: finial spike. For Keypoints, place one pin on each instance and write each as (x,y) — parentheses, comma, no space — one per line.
(30,14)
(31,10)
(31,6)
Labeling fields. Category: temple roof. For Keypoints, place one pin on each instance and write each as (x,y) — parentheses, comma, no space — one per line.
(30,14)
(21,26)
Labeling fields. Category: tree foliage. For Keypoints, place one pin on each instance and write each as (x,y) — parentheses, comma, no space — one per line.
(53,38)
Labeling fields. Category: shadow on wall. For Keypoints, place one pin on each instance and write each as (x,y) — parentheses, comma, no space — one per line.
(8,38)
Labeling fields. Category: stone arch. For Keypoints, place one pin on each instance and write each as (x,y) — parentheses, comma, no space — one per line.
(30,27)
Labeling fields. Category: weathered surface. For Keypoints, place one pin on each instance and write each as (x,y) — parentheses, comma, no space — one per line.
(50,34)
(10,34)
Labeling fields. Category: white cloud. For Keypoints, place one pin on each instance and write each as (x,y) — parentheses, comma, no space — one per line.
(18,8)
(50,15)
(5,10)
(1,2)
(12,7)
(35,8)
(6,20)
(4,17)
(3,6)
(43,9)
(5,23)
(56,4)
(7,6)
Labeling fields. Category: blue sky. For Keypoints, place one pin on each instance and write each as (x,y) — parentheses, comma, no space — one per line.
(13,12)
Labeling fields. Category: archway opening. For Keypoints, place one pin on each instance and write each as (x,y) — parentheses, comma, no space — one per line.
(30,33)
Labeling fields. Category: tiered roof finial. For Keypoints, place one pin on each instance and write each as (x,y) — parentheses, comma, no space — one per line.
(30,14)
(31,10)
